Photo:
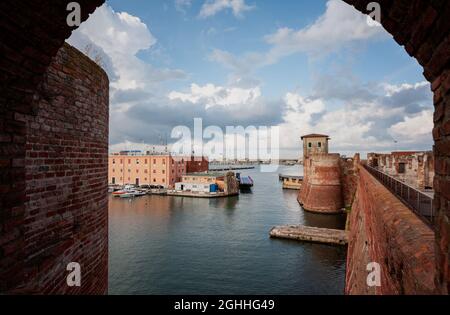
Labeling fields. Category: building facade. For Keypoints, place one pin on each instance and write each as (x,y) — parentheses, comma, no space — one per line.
(197,165)
(225,183)
(416,169)
(205,183)
(314,144)
(151,170)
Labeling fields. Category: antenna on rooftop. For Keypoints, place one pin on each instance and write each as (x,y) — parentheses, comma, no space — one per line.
(166,142)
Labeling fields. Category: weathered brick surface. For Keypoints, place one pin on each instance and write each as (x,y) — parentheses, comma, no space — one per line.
(418,167)
(423,27)
(322,188)
(384,230)
(31,32)
(197,165)
(65,213)
(349,178)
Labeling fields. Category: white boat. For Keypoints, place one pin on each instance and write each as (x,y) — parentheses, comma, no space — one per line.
(128,192)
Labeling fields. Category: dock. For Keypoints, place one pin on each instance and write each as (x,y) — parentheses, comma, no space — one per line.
(282,177)
(310,234)
(291,181)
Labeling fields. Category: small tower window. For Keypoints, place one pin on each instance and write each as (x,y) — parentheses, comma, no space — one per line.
(320,144)
(309,145)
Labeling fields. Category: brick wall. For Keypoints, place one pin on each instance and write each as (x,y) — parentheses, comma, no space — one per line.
(423,28)
(349,178)
(384,231)
(66,177)
(31,33)
(65,210)
(197,165)
(322,187)
(417,170)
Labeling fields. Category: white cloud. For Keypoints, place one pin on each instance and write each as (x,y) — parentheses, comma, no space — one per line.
(121,36)
(415,126)
(117,33)
(397,117)
(339,26)
(213,95)
(298,119)
(396,89)
(212,7)
(142,110)
(346,125)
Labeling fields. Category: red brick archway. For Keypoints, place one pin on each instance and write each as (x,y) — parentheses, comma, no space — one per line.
(32,32)
(423,28)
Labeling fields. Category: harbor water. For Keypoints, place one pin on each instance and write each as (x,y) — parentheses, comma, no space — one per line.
(179,245)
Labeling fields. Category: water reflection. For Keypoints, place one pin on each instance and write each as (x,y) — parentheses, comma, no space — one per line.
(175,245)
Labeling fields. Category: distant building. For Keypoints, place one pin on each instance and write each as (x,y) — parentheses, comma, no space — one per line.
(415,168)
(151,170)
(200,182)
(209,183)
(314,144)
(197,165)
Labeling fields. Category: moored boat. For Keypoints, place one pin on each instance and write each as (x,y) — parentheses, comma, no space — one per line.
(245,182)
(128,192)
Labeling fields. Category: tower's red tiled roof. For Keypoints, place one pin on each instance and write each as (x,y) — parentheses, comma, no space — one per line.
(315,135)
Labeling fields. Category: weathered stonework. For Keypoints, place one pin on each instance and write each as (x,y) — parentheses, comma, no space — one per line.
(197,165)
(66,205)
(329,181)
(416,169)
(349,178)
(423,28)
(231,185)
(322,189)
(385,231)
(31,33)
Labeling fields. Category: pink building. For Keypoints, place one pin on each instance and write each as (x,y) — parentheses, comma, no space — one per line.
(154,170)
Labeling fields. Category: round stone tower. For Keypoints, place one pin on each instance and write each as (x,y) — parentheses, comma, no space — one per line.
(322,187)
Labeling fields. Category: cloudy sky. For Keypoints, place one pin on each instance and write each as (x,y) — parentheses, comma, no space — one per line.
(305,66)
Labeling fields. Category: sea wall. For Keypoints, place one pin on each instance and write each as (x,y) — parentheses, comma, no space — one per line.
(66,207)
(385,231)
(349,178)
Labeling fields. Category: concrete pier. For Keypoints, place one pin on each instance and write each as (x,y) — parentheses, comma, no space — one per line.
(310,234)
